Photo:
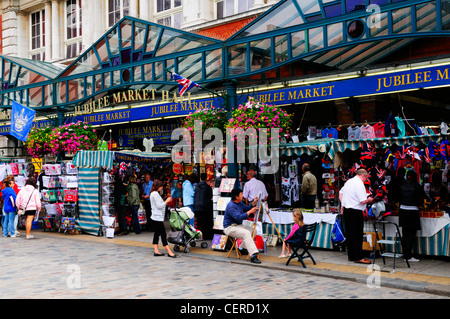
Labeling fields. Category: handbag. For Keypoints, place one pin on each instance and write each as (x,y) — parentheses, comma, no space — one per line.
(337,236)
(175,237)
(21,211)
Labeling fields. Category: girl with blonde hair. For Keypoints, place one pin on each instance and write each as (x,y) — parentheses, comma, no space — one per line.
(297,216)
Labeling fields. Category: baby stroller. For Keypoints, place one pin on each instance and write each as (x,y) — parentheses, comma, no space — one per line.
(183,234)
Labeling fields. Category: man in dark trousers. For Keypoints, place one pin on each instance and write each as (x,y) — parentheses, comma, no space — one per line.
(203,207)
(353,197)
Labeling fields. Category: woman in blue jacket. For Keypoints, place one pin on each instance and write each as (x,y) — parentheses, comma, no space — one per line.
(9,208)
(189,194)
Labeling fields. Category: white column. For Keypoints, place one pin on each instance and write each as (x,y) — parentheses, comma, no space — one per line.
(144,10)
(57,48)
(22,40)
(133,12)
(48,31)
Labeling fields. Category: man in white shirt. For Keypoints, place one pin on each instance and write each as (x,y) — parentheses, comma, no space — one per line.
(353,197)
(253,187)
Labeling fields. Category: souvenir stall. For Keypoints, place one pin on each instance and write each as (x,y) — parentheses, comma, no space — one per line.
(58,186)
(382,157)
(292,157)
(388,160)
(89,164)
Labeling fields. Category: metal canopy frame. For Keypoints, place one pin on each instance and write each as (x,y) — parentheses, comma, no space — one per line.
(333,34)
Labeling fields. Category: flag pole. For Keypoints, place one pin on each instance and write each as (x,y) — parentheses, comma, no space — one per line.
(208,90)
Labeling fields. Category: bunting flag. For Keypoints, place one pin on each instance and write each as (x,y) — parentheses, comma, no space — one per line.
(21,121)
(184,84)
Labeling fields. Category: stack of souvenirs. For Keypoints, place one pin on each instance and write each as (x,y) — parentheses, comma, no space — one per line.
(58,185)
(387,168)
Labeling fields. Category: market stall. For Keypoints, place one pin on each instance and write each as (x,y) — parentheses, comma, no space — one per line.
(386,160)
(89,164)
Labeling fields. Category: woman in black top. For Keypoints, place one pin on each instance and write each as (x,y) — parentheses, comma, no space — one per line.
(411,197)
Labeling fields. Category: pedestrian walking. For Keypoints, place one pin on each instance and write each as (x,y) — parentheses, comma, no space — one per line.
(203,207)
(158,214)
(9,208)
(133,203)
(411,197)
(29,200)
(353,197)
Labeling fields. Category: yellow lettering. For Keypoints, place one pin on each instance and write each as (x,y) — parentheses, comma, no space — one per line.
(442,76)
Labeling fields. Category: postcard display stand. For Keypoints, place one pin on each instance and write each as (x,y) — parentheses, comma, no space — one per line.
(221,198)
(108,211)
(59,194)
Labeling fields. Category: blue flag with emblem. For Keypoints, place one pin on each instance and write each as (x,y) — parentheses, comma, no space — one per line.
(21,121)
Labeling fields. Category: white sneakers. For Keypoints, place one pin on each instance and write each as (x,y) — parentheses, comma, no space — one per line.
(30,236)
(413,260)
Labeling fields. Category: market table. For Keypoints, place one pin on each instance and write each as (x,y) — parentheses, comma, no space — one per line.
(283,221)
(432,240)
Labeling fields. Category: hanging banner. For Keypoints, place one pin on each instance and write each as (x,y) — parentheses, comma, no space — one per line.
(21,121)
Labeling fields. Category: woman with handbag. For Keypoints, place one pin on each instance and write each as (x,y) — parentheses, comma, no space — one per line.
(158,213)
(29,204)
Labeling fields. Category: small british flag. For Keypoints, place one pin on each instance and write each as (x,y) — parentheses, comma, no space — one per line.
(184,84)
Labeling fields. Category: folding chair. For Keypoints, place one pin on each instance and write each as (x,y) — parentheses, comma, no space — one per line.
(303,243)
(234,246)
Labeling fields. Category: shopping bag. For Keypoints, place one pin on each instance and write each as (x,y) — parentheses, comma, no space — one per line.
(337,236)
(175,237)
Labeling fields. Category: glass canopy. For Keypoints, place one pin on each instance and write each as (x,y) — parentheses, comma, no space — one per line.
(326,34)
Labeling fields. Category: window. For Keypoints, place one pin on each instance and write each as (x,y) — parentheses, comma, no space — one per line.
(117,9)
(37,35)
(164,5)
(73,19)
(168,13)
(73,28)
(225,8)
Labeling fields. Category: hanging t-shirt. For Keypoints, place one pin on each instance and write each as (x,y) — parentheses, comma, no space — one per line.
(390,128)
(330,132)
(312,131)
(378,129)
(354,133)
(444,128)
(342,133)
(367,131)
(401,126)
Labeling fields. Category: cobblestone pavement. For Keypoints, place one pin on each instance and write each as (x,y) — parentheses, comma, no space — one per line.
(64,268)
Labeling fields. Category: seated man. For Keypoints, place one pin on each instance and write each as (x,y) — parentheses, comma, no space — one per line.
(235,213)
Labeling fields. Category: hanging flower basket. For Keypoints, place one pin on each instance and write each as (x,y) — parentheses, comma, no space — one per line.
(208,118)
(68,138)
(257,115)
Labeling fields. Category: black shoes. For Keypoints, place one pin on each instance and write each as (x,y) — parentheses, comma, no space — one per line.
(254,259)
(172,256)
(157,255)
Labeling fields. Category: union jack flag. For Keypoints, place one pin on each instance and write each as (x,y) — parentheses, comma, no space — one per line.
(184,84)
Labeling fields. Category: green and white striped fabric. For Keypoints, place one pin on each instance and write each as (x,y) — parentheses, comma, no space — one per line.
(342,145)
(88,200)
(93,159)
(308,147)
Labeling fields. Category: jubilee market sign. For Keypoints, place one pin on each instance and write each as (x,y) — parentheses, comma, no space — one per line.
(364,85)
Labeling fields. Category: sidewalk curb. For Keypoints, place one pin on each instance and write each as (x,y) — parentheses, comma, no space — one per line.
(422,287)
